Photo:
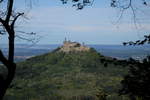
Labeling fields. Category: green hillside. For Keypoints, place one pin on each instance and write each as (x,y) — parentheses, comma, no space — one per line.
(67,76)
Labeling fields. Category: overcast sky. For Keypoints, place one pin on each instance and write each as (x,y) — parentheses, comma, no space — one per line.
(96,24)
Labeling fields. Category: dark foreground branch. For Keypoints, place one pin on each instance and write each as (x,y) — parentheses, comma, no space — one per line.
(13,22)
(139,42)
(5,83)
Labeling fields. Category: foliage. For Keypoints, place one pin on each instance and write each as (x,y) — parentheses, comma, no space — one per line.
(66,76)
(136,83)
(101,95)
(125,4)
(80,4)
(146,40)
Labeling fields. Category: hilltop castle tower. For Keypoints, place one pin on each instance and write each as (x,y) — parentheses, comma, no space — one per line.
(69,46)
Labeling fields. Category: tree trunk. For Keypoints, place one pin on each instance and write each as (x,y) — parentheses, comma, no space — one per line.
(5,83)
(9,64)
(11,47)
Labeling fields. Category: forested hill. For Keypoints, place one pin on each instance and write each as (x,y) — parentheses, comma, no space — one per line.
(66,76)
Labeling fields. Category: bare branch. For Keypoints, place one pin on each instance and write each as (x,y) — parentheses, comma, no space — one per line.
(13,22)
(80,4)
(139,42)
(2,32)
(129,5)
(31,33)
(9,10)
(1,21)
(1,1)
(3,59)
(26,39)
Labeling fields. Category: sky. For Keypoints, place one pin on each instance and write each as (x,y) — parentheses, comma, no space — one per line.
(97,24)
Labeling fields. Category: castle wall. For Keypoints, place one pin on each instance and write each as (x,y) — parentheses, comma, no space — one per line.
(69,46)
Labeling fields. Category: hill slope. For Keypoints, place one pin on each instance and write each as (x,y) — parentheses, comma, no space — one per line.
(66,76)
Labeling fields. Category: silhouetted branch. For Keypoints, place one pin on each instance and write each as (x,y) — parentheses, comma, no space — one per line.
(8,19)
(2,32)
(80,4)
(33,40)
(9,10)
(13,22)
(11,67)
(1,21)
(120,4)
(124,5)
(31,33)
(3,59)
(1,1)
(28,36)
(139,42)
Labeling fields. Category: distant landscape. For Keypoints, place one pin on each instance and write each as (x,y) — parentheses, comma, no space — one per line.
(71,71)
(24,51)
(74,50)
(63,75)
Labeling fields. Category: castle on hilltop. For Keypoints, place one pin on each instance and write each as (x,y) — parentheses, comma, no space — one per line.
(69,46)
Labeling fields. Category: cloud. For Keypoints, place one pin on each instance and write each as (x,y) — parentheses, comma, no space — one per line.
(89,19)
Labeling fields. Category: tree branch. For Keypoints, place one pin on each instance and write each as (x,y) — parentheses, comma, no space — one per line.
(9,10)
(129,5)
(139,42)
(26,39)
(13,22)
(3,59)
(1,1)
(1,21)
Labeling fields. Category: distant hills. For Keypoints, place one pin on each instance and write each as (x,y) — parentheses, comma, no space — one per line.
(67,76)
(24,51)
